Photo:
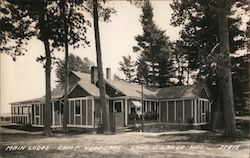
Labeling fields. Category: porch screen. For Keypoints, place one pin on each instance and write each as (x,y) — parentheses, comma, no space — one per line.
(84,112)
(188,117)
(89,112)
(71,114)
(171,111)
(163,111)
(77,113)
(179,111)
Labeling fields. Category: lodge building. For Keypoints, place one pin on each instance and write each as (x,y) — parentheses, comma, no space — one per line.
(176,105)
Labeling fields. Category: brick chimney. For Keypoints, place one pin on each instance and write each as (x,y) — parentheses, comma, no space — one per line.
(94,74)
(108,73)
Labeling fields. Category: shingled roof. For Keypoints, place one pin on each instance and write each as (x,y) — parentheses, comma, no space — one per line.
(131,89)
(82,76)
(89,87)
(186,91)
(128,89)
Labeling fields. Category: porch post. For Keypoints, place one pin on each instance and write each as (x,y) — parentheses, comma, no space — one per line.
(126,112)
(53,114)
(183,111)
(93,113)
(60,112)
(195,111)
(167,109)
(159,109)
(192,108)
(175,111)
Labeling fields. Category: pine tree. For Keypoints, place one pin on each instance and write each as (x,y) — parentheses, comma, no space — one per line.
(154,47)
(75,64)
(209,31)
(142,70)
(42,19)
(127,67)
(181,63)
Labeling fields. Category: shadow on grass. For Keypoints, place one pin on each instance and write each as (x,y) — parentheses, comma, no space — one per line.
(77,153)
(208,137)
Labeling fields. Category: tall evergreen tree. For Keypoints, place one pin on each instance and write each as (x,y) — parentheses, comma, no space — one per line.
(75,64)
(42,19)
(200,32)
(209,33)
(180,62)
(127,66)
(142,70)
(155,49)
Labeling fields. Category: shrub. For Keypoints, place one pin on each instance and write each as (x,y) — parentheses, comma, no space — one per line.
(151,115)
(133,116)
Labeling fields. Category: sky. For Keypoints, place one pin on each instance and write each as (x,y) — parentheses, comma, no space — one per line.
(25,78)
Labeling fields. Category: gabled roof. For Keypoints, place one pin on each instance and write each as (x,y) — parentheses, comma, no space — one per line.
(82,76)
(187,91)
(56,93)
(27,101)
(89,87)
(128,89)
(131,89)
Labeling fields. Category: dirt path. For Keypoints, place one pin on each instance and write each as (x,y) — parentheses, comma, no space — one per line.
(131,144)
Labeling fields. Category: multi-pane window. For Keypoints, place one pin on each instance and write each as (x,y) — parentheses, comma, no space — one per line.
(132,109)
(37,110)
(77,107)
(118,106)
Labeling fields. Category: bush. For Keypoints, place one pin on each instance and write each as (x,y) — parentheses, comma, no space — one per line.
(151,115)
(133,116)
(8,118)
(27,126)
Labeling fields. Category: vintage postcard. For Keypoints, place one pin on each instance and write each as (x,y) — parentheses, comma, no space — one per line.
(124,78)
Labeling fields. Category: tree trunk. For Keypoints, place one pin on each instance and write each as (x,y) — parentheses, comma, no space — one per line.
(47,107)
(101,83)
(227,88)
(66,80)
(188,73)
(216,110)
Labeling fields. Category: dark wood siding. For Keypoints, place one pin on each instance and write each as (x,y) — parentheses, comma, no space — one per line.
(112,92)
(203,94)
(111,106)
(78,92)
(73,79)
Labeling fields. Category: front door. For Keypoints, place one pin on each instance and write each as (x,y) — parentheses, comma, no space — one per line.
(117,115)
(117,106)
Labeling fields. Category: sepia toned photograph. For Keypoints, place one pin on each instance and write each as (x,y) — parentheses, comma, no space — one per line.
(125,78)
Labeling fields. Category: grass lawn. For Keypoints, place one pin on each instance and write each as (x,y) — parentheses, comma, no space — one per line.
(132,144)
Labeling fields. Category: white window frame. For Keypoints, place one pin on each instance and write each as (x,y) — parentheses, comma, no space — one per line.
(78,115)
(117,101)
(37,115)
(81,114)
